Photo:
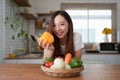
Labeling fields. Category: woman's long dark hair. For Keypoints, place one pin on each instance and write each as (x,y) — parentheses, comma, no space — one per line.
(69,47)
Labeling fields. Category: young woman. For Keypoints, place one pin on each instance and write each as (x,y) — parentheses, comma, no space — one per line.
(66,41)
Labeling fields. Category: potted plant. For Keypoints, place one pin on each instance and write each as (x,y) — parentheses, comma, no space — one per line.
(106,31)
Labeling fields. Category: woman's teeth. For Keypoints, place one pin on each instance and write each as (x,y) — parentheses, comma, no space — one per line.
(59,33)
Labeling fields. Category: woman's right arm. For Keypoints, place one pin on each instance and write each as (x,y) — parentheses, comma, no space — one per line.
(48,49)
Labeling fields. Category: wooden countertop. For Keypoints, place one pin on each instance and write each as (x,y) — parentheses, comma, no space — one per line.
(33,72)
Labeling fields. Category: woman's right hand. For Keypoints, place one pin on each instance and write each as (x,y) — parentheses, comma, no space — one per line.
(45,44)
(48,48)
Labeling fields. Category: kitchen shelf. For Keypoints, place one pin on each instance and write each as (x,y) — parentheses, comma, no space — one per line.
(43,20)
(28,16)
(22,3)
(44,14)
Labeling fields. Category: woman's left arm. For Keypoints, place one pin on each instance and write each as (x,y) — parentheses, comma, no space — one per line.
(78,54)
(78,45)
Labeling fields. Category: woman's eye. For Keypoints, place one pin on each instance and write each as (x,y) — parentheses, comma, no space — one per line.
(53,25)
(61,24)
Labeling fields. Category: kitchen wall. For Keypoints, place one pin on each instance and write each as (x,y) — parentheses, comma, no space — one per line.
(9,42)
(32,32)
(42,5)
(118,21)
(2,29)
(45,6)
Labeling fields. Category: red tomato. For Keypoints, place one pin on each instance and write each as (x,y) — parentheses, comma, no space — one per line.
(49,64)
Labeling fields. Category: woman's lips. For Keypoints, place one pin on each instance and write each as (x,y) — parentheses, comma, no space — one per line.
(59,33)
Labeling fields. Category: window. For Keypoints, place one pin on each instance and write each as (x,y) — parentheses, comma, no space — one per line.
(90,19)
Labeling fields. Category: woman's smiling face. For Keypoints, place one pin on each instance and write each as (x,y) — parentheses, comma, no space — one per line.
(60,26)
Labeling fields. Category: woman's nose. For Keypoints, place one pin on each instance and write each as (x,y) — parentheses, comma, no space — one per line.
(57,28)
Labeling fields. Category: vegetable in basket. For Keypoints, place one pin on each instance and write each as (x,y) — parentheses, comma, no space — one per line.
(59,63)
(76,63)
(68,58)
(49,62)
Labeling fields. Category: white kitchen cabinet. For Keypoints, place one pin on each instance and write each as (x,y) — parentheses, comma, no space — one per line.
(36,61)
(23,61)
(111,58)
(101,58)
(92,59)
(10,61)
(117,59)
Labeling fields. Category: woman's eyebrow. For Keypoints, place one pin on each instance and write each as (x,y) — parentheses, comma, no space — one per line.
(62,21)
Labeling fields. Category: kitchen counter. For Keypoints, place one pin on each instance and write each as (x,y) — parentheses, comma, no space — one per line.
(39,56)
(104,58)
(27,56)
(33,72)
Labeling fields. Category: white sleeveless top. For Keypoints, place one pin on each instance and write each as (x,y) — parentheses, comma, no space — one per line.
(78,44)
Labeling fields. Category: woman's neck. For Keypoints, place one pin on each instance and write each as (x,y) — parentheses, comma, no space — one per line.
(63,41)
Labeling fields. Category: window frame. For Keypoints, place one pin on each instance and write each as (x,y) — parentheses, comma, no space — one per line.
(112,6)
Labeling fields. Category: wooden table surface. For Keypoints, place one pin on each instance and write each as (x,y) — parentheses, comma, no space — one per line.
(33,72)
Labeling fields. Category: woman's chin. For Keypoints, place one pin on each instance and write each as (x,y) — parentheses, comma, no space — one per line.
(60,37)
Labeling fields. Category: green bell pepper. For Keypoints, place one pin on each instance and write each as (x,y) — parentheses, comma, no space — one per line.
(76,63)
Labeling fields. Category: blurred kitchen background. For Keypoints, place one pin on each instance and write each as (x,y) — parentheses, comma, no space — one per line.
(22,21)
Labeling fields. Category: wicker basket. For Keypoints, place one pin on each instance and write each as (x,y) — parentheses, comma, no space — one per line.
(62,72)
